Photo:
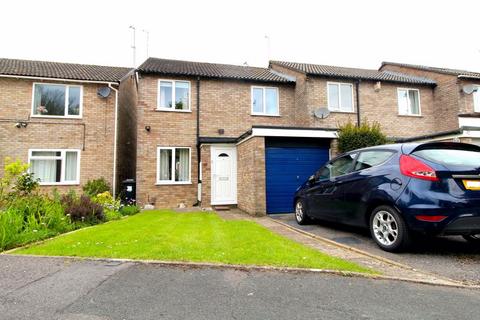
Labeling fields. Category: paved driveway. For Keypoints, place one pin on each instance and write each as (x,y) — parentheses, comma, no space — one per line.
(452,257)
(54,288)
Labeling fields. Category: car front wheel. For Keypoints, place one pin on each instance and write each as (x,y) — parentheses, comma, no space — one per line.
(300,213)
(388,229)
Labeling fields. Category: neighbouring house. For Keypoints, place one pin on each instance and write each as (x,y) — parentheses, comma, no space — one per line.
(457,101)
(69,121)
(215,135)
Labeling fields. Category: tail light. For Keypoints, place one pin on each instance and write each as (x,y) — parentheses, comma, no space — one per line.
(414,168)
(430,218)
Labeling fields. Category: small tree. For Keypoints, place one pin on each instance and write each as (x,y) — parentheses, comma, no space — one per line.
(351,137)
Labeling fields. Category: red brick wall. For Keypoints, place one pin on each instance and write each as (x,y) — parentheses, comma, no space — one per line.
(41,133)
(251,176)
(449,99)
(224,104)
(381,106)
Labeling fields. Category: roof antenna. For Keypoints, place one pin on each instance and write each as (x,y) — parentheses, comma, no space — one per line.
(147,34)
(134,48)
(267,38)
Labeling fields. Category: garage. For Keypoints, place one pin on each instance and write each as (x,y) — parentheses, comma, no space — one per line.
(288,163)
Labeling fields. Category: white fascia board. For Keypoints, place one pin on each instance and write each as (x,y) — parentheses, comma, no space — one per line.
(298,133)
(468,122)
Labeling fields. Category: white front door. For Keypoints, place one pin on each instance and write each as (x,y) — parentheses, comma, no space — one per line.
(224,175)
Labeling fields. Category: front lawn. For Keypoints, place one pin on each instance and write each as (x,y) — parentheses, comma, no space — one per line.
(200,237)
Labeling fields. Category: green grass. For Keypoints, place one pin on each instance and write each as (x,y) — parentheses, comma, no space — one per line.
(199,237)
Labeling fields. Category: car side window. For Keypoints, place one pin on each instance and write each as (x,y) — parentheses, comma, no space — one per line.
(368,159)
(337,167)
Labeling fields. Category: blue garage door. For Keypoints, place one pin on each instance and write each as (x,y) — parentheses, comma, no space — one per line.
(286,169)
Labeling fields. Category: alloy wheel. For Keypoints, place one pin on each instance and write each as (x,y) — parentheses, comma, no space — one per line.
(299,211)
(385,228)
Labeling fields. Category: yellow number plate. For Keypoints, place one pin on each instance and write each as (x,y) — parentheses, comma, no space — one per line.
(472,184)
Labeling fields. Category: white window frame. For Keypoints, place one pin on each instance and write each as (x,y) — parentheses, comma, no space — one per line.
(253,113)
(172,109)
(339,84)
(167,182)
(66,115)
(476,99)
(410,114)
(62,171)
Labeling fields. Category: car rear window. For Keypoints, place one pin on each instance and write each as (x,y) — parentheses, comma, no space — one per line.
(450,156)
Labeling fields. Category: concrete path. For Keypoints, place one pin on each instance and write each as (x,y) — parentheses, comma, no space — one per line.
(58,288)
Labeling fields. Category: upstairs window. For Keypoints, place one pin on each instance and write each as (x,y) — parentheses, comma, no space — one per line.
(55,166)
(265,101)
(340,97)
(173,95)
(57,100)
(409,102)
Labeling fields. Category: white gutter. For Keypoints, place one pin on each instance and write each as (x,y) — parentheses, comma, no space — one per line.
(55,79)
(114,180)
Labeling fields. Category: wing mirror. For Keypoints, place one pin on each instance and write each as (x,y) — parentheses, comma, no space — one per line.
(311,179)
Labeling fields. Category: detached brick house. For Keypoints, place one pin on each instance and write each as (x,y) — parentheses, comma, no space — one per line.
(214,134)
(69,121)
(457,100)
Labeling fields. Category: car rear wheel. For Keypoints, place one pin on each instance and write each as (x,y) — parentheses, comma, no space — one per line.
(388,229)
(301,213)
(473,238)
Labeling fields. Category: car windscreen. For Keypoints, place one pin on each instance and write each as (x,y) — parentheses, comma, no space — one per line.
(451,157)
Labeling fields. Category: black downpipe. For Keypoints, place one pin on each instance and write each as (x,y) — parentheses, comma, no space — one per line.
(199,157)
(357,93)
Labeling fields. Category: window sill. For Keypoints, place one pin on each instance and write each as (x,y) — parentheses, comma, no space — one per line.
(172,183)
(171,110)
(339,111)
(56,117)
(46,184)
(265,115)
(410,115)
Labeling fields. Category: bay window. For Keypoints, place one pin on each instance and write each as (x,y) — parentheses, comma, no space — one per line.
(57,100)
(173,165)
(55,166)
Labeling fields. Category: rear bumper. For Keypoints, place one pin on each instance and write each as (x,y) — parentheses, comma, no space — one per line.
(464,225)
(458,221)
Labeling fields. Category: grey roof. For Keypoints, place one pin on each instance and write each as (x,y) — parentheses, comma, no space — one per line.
(210,70)
(455,72)
(353,73)
(60,70)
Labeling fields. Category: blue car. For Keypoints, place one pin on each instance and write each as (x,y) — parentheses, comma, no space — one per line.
(398,190)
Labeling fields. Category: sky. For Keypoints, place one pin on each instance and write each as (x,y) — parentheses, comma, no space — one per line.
(343,33)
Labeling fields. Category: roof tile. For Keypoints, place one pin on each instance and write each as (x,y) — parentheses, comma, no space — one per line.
(72,71)
(353,73)
(211,70)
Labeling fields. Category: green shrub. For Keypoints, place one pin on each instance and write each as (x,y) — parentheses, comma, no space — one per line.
(129,210)
(112,215)
(95,187)
(30,219)
(106,200)
(351,137)
(11,225)
(82,209)
(16,181)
